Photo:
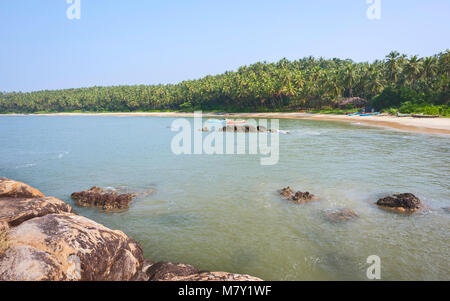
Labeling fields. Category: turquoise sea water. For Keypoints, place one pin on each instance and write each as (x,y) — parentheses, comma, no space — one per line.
(223,213)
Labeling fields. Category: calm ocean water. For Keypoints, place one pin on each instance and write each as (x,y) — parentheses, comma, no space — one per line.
(223,212)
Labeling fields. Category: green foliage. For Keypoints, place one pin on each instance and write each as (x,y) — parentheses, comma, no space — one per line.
(308,83)
(425,108)
(186,106)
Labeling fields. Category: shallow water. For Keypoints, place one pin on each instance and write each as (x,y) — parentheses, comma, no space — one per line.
(222,212)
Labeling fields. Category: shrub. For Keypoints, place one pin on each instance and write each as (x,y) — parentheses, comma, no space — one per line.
(395,97)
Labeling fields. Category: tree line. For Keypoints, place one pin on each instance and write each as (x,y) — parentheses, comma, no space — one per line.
(285,85)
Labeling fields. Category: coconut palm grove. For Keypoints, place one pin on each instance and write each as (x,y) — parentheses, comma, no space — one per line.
(398,83)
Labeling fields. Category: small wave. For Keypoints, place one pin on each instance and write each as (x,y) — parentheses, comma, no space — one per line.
(61,155)
(28,165)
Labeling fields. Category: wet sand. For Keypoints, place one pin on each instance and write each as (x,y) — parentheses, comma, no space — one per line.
(410,124)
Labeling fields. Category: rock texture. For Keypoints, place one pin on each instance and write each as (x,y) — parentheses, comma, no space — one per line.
(14,189)
(298,197)
(167,271)
(106,200)
(340,215)
(404,202)
(43,239)
(15,211)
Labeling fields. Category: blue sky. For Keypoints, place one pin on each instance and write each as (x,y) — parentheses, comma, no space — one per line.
(167,41)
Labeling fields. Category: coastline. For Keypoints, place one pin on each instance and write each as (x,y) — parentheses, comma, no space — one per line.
(408,124)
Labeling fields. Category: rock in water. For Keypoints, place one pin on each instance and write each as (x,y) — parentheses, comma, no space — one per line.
(404,202)
(286,192)
(341,215)
(167,271)
(163,271)
(298,197)
(99,198)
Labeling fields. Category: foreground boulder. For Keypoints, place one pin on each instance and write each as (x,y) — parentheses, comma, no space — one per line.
(43,239)
(69,247)
(403,202)
(15,211)
(167,271)
(106,200)
(340,215)
(298,197)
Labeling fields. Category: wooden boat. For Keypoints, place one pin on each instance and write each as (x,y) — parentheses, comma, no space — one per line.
(403,115)
(425,116)
(370,114)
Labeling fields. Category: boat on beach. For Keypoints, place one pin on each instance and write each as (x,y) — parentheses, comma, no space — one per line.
(403,115)
(425,116)
(370,114)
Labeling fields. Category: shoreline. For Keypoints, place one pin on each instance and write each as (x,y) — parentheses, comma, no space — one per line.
(408,124)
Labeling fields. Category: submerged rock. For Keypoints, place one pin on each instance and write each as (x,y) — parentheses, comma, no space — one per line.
(99,198)
(298,197)
(340,215)
(216,276)
(403,202)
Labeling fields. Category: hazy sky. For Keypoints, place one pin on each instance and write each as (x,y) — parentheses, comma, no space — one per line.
(166,41)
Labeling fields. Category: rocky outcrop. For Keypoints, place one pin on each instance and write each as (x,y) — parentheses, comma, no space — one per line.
(14,189)
(106,200)
(340,215)
(167,271)
(298,197)
(404,202)
(46,240)
(43,239)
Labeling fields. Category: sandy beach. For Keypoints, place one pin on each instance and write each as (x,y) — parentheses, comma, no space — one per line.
(419,125)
